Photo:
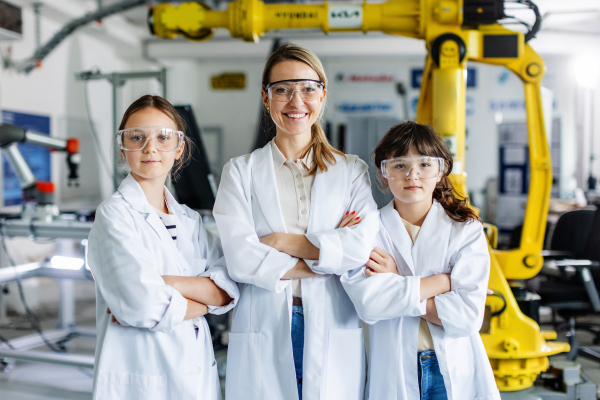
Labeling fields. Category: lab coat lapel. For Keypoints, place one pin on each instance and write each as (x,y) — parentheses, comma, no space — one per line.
(393,224)
(326,196)
(133,194)
(265,187)
(185,231)
(429,250)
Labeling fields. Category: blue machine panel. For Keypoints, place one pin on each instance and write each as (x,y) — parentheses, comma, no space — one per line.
(38,158)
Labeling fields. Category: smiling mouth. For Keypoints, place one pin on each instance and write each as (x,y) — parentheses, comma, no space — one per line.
(296,115)
(150,161)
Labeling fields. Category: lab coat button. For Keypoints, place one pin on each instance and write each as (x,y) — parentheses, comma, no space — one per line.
(300,186)
(299,176)
(302,198)
(303,211)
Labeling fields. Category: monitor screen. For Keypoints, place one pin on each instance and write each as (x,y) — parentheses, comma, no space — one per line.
(196,186)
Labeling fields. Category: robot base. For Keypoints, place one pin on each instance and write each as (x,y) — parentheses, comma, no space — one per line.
(563,381)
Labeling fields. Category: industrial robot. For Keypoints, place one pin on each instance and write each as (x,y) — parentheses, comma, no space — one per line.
(455,32)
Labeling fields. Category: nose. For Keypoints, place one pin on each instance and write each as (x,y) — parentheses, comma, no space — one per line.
(149,146)
(411,175)
(296,97)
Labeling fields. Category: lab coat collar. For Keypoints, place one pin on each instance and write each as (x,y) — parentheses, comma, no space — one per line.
(431,246)
(279,159)
(265,186)
(133,194)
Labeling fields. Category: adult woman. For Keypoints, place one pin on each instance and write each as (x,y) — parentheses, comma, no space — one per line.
(277,209)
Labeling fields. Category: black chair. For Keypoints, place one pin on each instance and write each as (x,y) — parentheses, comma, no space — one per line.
(567,281)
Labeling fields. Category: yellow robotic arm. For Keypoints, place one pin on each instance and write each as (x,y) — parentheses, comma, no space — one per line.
(455,32)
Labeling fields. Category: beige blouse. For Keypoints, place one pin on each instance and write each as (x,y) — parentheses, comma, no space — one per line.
(293,187)
(425,341)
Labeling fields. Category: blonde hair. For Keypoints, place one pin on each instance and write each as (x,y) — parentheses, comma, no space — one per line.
(323,152)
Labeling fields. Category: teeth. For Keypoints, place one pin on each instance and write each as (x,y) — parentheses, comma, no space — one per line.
(296,115)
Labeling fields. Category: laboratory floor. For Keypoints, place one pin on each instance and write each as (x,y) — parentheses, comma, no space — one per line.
(36,381)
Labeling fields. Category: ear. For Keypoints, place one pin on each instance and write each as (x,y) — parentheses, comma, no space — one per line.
(265,98)
(386,181)
(180,151)
(324,95)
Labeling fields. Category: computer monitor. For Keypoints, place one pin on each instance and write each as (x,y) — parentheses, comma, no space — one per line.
(196,186)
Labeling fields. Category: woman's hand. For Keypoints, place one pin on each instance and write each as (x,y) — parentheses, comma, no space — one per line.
(380,262)
(349,219)
(113,319)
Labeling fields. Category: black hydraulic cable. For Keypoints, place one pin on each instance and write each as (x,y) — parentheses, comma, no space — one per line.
(5,340)
(29,64)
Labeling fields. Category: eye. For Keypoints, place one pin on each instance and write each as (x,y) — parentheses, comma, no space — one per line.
(425,165)
(137,138)
(309,89)
(400,166)
(281,90)
(164,138)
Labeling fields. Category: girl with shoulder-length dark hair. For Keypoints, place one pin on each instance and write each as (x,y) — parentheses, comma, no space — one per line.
(295,333)
(423,289)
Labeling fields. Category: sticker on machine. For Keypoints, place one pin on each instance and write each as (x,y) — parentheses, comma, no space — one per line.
(343,16)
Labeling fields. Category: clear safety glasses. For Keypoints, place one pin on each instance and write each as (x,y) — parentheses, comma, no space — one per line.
(424,166)
(136,138)
(283,91)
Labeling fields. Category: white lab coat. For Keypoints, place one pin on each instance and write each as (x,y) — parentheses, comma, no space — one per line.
(390,304)
(260,361)
(154,354)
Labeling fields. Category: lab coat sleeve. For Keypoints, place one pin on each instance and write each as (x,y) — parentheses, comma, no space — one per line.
(127,276)
(248,260)
(344,249)
(383,296)
(461,310)
(217,271)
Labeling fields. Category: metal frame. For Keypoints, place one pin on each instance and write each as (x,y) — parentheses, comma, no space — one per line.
(117,80)
(66,329)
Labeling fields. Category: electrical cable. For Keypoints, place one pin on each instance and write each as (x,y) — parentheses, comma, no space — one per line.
(501,296)
(33,319)
(95,134)
(531,30)
(5,340)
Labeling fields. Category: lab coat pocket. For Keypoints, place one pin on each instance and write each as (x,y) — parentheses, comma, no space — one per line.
(346,364)
(117,385)
(244,372)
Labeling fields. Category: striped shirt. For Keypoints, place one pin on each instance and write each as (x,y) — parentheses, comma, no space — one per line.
(170,221)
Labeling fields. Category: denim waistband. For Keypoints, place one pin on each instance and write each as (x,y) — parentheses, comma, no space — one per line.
(298,309)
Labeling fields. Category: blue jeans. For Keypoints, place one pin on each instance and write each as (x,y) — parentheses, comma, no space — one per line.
(431,382)
(298,344)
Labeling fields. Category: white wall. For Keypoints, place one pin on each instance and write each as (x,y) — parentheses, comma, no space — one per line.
(497,90)
(53,91)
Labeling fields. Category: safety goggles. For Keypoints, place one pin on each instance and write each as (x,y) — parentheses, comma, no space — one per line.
(283,91)
(136,138)
(401,167)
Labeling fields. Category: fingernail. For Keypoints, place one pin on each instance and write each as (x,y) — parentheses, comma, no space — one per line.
(357,217)
(353,212)
(347,212)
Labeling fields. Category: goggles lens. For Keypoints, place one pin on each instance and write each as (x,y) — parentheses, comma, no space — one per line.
(284,90)
(164,139)
(401,167)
